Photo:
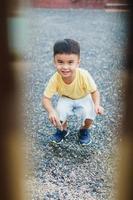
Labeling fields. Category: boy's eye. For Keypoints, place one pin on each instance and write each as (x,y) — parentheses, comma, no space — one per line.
(60,61)
(70,62)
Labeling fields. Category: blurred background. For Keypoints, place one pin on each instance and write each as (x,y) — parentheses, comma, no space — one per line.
(29,167)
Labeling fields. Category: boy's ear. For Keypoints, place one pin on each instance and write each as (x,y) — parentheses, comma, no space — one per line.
(54,60)
(78,61)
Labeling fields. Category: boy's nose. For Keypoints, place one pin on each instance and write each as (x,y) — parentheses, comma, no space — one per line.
(65,66)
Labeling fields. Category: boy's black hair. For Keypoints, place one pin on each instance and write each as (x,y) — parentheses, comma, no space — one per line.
(67,46)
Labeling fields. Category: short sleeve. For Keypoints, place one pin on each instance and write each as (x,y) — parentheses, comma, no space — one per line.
(51,87)
(90,84)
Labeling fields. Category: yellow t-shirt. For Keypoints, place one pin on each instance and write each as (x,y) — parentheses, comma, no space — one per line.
(82,85)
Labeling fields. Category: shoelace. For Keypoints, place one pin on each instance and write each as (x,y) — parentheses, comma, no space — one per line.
(83,133)
(60,133)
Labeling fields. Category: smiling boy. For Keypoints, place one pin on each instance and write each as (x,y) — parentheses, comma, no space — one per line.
(77,90)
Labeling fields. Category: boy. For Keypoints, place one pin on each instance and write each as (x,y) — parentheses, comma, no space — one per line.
(77,90)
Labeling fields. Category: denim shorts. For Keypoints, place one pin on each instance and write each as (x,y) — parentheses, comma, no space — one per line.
(83,108)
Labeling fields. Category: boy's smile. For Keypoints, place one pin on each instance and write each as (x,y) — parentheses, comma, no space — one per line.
(66,65)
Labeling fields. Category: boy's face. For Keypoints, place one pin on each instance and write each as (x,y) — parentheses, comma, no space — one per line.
(66,64)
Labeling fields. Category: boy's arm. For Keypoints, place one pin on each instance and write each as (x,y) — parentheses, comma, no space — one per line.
(96,99)
(51,112)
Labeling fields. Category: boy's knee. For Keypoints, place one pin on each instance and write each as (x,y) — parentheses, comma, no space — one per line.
(88,115)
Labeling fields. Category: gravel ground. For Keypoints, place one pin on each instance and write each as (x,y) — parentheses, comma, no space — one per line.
(69,171)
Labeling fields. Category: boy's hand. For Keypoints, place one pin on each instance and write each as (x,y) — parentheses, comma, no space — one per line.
(99,109)
(55,120)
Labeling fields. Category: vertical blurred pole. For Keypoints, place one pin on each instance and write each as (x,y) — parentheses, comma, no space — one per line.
(126,168)
(10,156)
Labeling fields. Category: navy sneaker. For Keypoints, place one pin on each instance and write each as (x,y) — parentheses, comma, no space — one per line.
(59,136)
(84,136)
